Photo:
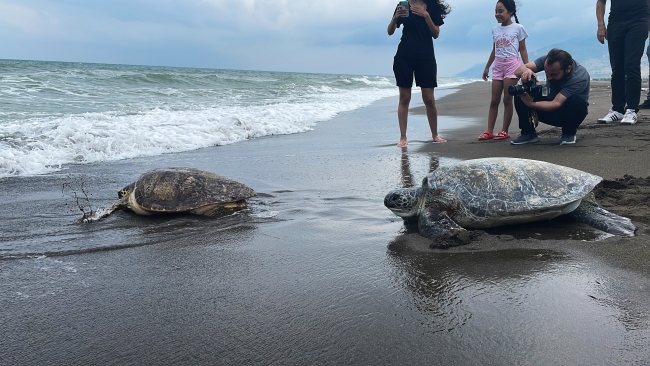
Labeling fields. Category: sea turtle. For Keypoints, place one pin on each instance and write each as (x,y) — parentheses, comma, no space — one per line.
(490,192)
(181,190)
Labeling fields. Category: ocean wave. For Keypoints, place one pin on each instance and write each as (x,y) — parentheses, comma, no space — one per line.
(53,113)
(44,145)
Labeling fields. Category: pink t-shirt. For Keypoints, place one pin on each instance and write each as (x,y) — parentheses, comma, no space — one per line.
(506,39)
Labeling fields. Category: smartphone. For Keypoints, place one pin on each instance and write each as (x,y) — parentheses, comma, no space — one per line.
(403,8)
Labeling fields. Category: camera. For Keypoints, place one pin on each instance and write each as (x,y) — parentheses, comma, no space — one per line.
(537,91)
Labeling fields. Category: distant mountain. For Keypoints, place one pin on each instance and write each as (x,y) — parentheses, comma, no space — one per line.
(587,51)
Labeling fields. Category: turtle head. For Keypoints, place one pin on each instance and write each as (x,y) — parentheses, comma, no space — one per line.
(404,202)
(126,191)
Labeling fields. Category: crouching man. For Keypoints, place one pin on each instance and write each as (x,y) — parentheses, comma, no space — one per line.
(565,105)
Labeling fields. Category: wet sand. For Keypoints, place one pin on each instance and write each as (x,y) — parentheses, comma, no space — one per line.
(316,270)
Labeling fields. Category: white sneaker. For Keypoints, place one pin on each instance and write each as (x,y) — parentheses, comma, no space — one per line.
(630,117)
(612,116)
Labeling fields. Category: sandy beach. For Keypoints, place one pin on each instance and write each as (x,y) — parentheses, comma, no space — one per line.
(317,270)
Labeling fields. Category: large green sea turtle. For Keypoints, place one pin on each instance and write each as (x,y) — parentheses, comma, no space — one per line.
(490,192)
(180,190)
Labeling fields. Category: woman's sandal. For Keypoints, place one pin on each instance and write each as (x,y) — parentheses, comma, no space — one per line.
(503,135)
(487,135)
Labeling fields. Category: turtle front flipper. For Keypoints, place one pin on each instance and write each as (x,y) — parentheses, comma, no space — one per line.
(597,217)
(100,214)
(438,227)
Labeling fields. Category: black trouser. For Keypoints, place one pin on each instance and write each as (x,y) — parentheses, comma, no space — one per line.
(626,41)
(569,116)
(647,52)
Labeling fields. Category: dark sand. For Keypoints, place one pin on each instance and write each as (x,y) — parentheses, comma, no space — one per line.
(317,271)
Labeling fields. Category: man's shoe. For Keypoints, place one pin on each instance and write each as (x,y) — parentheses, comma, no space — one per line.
(567,139)
(525,139)
(612,116)
(629,118)
(645,104)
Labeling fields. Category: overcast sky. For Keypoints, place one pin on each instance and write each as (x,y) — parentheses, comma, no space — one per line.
(323,36)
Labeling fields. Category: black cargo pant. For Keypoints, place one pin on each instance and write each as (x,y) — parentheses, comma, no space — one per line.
(569,116)
(626,41)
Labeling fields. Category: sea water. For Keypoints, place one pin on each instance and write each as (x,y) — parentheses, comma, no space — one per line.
(54,113)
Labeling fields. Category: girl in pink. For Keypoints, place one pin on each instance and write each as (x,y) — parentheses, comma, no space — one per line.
(509,41)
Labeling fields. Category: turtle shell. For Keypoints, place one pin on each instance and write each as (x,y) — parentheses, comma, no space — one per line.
(498,191)
(185,189)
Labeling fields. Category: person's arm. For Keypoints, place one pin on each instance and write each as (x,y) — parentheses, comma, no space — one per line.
(523,51)
(574,88)
(489,63)
(601,34)
(526,71)
(422,11)
(544,106)
(393,23)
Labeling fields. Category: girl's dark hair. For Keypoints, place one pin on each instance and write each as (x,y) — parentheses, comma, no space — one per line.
(562,56)
(511,7)
(444,8)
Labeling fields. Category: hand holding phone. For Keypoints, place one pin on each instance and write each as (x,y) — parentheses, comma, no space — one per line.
(403,9)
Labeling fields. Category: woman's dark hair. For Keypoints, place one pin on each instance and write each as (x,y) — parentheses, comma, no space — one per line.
(444,8)
(511,7)
(562,56)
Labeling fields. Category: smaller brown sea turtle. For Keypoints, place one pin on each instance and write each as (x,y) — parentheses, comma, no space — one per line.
(180,190)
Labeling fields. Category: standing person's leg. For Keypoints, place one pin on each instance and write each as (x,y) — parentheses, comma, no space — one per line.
(493,112)
(635,37)
(509,79)
(426,77)
(403,70)
(646,102)
(432,113)
(507,105)
(616,46)
(647,53)
(403,113)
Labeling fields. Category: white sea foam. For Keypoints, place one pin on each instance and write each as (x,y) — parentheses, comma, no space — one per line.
(42,145)
(53,114)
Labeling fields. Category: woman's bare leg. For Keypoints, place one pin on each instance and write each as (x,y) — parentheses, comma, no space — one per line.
(432,113)
(403,113)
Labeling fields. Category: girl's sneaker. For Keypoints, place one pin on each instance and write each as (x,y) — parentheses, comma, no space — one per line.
(612,116)
(630,117)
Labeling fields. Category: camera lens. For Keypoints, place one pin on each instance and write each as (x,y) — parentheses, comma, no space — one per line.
(516,90)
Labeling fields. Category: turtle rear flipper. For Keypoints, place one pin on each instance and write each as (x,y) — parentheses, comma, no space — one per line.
(444,232)
(597,217)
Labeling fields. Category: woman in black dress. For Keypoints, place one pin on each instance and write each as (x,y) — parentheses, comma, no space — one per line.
(415,57)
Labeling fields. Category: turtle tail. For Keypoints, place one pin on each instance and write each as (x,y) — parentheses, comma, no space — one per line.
(597,217)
